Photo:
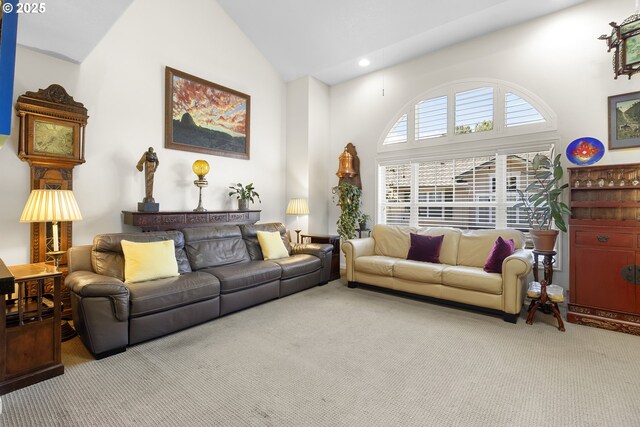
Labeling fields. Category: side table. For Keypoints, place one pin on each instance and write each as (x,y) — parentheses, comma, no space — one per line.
(364,233)
(543,302)
(30,344)
(334,240)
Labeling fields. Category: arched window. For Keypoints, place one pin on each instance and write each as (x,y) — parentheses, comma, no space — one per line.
(456,155)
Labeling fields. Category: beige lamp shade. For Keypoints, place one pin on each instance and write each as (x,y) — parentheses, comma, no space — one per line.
(51,206)
(297,207)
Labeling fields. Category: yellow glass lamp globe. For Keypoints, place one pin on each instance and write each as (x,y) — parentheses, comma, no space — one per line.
(200,168)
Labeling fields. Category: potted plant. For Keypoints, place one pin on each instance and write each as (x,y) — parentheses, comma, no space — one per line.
(542,205)
(349,202)
(362,221)
(244,194)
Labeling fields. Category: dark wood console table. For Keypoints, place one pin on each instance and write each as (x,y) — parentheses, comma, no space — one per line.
(160,221)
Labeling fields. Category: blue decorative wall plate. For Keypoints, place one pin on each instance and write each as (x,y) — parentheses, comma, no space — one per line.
(585,151)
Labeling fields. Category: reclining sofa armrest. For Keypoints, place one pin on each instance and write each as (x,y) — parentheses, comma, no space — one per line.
(100,311)
(87,284)
(356,248)
(516,270)
(318,249)
(324,251)
(79,258)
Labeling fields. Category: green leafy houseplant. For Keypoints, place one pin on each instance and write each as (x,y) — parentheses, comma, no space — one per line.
(244,194)
(362,220)
(541,204)
(349,203)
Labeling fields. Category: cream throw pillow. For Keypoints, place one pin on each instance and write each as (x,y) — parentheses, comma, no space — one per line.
(149,260)
(272,245)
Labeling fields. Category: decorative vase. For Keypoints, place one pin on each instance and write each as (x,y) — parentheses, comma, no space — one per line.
(243,204)
(544,240)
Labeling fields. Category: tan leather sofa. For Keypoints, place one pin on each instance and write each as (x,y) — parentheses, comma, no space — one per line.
(380,260)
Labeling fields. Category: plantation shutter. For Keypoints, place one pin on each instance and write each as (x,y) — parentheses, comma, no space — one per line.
(431,118)
(457,193)
(519,112)
(396,197)
(468,193)
(398,132)
(474,110)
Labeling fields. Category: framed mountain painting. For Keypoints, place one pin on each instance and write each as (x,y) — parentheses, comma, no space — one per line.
(205,117)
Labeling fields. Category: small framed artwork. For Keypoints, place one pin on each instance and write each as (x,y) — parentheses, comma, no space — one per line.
(624,121)
(205,117)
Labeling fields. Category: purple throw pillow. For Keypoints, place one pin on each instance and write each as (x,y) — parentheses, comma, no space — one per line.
(425,248)
(501,250)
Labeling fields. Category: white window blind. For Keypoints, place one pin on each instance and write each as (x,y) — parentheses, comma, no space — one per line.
(474,110)
(396,198)
(431,118)
(519,112)
(469,193)
(398,132)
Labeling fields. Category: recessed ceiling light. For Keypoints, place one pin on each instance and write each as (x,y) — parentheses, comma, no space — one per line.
(364,62)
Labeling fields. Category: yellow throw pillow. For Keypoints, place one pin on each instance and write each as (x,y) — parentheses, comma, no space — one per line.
(149,260)
(272,245)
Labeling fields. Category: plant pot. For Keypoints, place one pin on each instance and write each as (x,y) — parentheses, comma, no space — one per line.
(544,240)
(243,204)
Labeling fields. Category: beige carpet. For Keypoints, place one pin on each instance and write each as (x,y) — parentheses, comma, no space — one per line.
(333,356)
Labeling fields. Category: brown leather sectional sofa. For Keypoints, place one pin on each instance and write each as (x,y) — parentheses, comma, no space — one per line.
(222,270)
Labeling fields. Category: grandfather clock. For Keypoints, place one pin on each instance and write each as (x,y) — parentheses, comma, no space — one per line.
(51,141)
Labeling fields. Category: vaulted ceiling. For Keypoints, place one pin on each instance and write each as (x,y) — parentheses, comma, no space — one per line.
(320,38)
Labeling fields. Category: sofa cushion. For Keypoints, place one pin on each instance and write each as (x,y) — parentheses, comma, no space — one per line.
(472,278)
(418,271)
(449,248)
(375,264)
(475,245)
(425,248)
(392,240)
(271,245)
(163,294)
(250,236)
(107,258)
(297,265)
(148,260)
(214,246)
(500,251)
(243,275)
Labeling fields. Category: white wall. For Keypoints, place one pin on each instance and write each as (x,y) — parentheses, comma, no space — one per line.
(297,159)
(557,57)
(122,85)
(308,151)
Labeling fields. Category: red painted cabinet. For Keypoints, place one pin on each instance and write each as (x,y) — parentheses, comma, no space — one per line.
(604,247)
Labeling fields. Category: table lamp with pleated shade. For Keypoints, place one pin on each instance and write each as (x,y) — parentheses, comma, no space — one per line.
(298,207)
(51,206)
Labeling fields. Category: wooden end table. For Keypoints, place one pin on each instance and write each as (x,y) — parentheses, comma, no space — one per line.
(30,344)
